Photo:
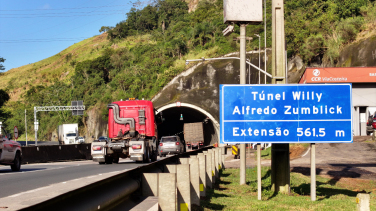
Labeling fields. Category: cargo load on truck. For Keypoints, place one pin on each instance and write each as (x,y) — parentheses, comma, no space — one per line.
(68,134)
(194,135)
(132,133)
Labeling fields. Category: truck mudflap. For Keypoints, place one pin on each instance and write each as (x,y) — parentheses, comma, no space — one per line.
(98,151)
(137,150)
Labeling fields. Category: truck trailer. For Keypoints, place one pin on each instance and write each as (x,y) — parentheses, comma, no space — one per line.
(68,133)
(132,132)
(194,135)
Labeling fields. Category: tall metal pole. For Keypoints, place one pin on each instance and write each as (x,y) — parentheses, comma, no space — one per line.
(265,40)
(259,56)
(25,127)
(36,131)
(242,81)
(280,152)
(259,171)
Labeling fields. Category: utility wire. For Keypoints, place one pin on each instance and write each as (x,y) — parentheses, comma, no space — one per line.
(51,16)
(72,8)
(59,13)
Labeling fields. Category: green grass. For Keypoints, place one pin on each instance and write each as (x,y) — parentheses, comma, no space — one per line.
(229,195)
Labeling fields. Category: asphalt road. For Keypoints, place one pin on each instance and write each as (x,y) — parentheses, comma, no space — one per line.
(35,176)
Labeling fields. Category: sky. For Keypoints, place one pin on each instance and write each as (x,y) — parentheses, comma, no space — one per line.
(31,31)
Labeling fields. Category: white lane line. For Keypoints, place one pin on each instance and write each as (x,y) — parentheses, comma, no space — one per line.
(105,175)
(32,171)
(30,191)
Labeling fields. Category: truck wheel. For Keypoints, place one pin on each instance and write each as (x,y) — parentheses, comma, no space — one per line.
(108,160)
(154,155)
(116,160)
(16,166)
(101,163)
(146,155)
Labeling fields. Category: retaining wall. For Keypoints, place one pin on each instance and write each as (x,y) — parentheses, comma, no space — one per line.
(41,154)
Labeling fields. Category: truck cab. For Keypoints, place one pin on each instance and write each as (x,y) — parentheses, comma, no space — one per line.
(10,151)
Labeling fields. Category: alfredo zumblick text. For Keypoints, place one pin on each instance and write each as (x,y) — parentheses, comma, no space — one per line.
(288,109)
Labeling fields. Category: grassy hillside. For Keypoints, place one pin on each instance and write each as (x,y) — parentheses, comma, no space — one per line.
(140,55)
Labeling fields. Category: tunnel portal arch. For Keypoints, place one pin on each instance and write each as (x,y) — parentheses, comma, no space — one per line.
(215,124)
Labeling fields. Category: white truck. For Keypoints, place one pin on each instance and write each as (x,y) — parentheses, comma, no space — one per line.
(10,151)
(68,133)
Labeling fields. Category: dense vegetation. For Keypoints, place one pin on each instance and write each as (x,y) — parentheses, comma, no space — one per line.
(315,31)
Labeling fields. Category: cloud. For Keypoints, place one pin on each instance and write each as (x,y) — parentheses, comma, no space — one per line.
(46,7)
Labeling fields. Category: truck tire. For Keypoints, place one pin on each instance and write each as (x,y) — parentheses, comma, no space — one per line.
(146,155)
(116,160)
(108,160)
(16,166)
(154,155)
(101,163)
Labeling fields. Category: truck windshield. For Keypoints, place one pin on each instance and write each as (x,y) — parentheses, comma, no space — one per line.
(169,139)
(71,135)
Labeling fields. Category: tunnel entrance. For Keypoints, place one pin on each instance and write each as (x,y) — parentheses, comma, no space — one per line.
(173,124)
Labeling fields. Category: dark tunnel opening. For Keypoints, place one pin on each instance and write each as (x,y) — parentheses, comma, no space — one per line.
(172,125)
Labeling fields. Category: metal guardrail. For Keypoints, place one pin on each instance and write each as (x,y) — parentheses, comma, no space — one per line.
(108,193)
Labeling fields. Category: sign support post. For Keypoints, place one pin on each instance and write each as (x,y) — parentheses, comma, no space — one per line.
(242,81)
(280,152)
(259,171)
(313,172)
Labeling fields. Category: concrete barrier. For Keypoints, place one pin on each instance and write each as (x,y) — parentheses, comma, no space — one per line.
(195,180)
(183,187)
(41,154)
(167,191)
(149,184)
(209,170)
(184,160)
(362,200)
(214,172)
(202,166)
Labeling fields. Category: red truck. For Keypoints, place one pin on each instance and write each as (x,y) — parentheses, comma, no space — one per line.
(132,133)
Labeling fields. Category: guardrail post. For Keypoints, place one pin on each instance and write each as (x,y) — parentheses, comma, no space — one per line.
(170,168)
(202,166)
(209,170)
(219,158)
(184,160)
(183,187)
(214,166)
(166,191)
(223,163)
(195,180)
(362,200)
(149,184)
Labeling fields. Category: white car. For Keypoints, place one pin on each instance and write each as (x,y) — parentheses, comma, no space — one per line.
(10,151)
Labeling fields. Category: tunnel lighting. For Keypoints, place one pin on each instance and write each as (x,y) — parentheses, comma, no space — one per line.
(181,117)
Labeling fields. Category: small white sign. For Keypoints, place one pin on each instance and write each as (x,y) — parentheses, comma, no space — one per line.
(15,132)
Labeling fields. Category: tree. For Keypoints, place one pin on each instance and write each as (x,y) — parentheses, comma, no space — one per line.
(1,61)
(105,28)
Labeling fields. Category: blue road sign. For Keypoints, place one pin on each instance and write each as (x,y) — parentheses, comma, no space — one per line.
(309,113)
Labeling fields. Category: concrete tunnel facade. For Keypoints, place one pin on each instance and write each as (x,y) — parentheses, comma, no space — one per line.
(197,90)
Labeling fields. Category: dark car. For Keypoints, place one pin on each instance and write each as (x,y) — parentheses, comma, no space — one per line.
(101,139)
(170,145)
